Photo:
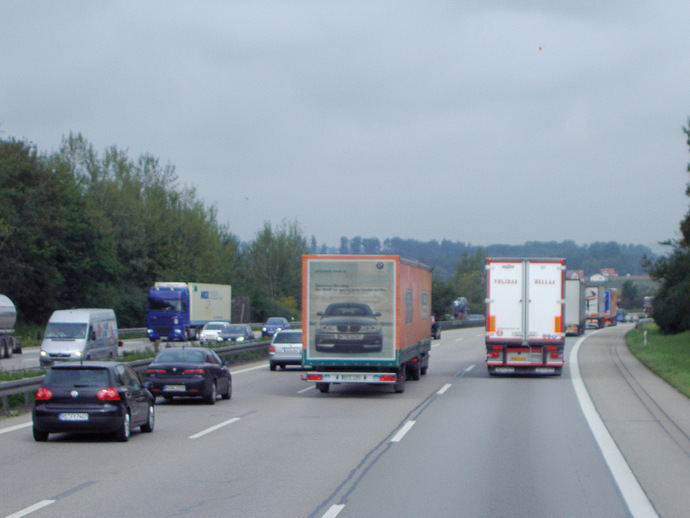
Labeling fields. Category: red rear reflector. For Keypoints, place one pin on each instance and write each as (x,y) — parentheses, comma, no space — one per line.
(499,347)
(493,354)
(108,394)
(388,377)
(193,371)
(314,377)
(556,355)
(550,347)
(43,394)
(415,360)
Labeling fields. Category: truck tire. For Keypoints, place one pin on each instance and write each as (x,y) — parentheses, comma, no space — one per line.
(414,371)
(323,387)
(16,346)
(492,371)
(6,348)
(399,385)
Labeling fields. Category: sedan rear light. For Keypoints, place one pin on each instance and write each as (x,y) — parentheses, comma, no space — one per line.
(43,394)
(108,394)
(193,371)
(155,371)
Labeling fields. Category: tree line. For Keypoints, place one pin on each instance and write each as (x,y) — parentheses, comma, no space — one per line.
(82,229)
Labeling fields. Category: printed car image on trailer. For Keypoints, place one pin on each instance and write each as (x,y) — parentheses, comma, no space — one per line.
(525,316)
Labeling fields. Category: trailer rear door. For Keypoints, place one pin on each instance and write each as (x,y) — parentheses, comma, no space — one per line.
(545,293)
(505,314)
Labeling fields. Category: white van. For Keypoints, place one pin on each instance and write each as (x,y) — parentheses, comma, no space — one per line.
(80,334)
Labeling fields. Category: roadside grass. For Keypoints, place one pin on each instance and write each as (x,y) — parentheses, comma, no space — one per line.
(668,356)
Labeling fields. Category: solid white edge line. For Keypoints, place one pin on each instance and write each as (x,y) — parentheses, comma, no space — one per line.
(468,369)
(401,433)
(443,389)
(31,509)
(633,494)
(311,387)
(15,427)
(214,428)
(333,511)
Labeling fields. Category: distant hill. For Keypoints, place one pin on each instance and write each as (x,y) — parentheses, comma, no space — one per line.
(444,255)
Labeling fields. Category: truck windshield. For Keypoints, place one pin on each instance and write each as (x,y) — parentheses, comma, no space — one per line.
(170,306)
(64,330)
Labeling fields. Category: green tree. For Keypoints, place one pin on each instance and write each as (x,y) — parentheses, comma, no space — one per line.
(274,266)
(672,300)
(630,297)
(469,279)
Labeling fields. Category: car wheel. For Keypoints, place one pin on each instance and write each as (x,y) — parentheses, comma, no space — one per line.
(125,430)
(228,391)
(148,427)
(40,436)
(272,366)
(211,398)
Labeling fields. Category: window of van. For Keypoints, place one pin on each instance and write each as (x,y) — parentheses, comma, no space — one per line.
(65,330)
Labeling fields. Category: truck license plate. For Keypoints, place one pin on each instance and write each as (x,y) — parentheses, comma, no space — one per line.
(517,358)
(72,416)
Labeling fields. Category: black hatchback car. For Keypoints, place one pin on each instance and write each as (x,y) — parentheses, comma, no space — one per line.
(92,397)
(189,371)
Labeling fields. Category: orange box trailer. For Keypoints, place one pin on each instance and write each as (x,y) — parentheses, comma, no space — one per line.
(365,319)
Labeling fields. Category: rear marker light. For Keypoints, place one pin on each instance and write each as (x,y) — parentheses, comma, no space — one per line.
(108,394)
(388,377)
(43,394)
(193,371)
(314,377)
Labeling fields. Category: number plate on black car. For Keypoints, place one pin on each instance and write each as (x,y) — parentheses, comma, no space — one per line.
(73,416)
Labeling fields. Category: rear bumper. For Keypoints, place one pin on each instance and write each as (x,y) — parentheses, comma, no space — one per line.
(178,387)
(109,419)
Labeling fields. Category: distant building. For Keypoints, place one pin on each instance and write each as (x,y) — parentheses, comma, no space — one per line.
(609,273)
(575,274)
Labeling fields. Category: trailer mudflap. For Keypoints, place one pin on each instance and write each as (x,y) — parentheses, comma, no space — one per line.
(351,377)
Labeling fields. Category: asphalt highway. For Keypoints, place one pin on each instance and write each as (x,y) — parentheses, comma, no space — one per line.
(455,443)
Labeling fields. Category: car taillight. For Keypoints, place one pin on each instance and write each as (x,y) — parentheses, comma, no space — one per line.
(108,394)
(271,348)
(155,371)
(43,394)
(193,371)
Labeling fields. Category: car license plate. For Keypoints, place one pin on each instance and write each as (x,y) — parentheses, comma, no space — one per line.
(351,337)
(352,377)
(174,388)
(73,416)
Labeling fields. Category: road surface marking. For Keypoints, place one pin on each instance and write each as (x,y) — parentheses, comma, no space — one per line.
(401,433)
(214,428)
(250,369)
(468,369)
(633,494)
(334,511)
(434,346)
(444,388)
(460,339)
(307,389)
(31,509)
(15,427)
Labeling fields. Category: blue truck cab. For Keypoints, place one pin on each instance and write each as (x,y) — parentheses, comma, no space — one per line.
(168,315)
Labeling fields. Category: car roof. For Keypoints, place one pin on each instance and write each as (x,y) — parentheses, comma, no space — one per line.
(87,364)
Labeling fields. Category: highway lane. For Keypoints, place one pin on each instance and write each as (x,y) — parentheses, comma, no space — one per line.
(291,447)
(479,446)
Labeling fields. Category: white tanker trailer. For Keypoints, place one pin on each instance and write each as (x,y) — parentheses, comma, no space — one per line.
(8,317)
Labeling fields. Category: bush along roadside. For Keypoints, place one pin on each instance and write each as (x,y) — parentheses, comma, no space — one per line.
(668,356)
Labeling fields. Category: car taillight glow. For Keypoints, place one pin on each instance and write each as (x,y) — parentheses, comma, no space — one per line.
(108,394)
(388,377)
(314,377)
(155,371)
(272,348)
(43,394)
(193,371)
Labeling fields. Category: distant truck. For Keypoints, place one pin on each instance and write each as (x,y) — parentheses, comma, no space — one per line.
(178,310)
(525,315)
(594,302)
(574,307)
(366,319)
(610,309)
(8,317)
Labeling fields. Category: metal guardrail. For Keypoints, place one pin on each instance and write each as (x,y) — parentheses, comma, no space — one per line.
(457,324)
(27,386)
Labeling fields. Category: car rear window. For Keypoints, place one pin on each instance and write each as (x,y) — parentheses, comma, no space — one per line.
(288,338)
(78,377)
(180,355)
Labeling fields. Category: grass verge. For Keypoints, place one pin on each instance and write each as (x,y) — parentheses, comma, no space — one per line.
(668,356)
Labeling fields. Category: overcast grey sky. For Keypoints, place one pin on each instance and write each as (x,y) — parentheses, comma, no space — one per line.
(489,121)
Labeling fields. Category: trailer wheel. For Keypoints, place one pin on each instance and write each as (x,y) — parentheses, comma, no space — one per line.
(399,386)
(6,349)
(558,371)
(16,346)
(323,387)
(492,371)
(414,371)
